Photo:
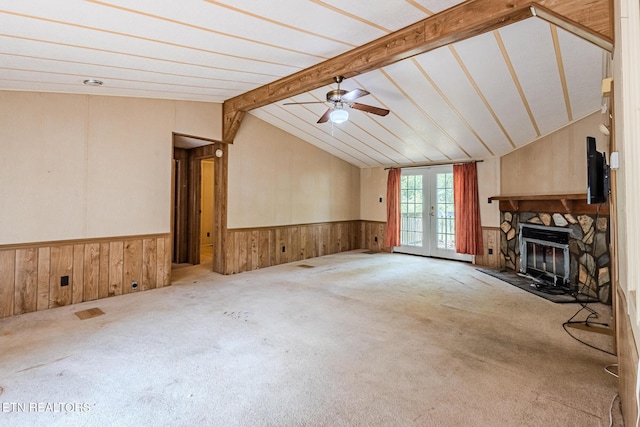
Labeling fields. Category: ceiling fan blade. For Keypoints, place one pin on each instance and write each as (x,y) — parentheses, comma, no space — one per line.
(354,94)
(300,103)
(370,109)
(325,116)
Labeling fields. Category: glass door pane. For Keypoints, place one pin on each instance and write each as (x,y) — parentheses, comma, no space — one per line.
(445,234)
(411,208)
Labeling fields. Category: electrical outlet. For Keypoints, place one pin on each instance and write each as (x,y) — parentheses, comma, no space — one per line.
(208,234)
(375,239)
(283,249)
(490,251)
(64,281)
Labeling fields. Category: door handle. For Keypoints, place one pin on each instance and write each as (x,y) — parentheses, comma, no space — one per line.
(432,211)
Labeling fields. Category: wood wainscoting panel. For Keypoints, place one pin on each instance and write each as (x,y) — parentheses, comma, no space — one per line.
(627,361)
(32,274)
(163,259)
(7,282)
(325,239)
(491,244)
(294,244)
(254,255)
(91,271)
(163,252)
(149,263)
(77,289)
(264,246)
(230,253)
(336,237)
(26,281)
(242,251)
(44,267)
(307,244)
(132,266)
(251,249)
(103,280)
(116,268)
(61,270)
(372,235)
(282,243)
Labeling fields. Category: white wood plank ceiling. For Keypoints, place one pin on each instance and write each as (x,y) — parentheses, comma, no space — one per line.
(478,98)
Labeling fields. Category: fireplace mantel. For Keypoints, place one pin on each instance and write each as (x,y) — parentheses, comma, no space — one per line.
(564,203)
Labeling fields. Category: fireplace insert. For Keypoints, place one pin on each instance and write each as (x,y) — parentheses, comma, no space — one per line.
(544,253)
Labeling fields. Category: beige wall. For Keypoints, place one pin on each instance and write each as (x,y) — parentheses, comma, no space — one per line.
(554,164)
(488,186)
(373,185)
(80,166)
(200,119)
(277,179)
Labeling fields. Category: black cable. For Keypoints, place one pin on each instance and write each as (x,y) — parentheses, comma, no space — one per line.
(592,314)
(564,326)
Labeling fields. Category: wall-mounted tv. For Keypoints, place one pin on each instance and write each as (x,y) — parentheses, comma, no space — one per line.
(597,174)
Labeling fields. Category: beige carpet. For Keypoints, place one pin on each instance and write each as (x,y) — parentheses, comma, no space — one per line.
(352,339)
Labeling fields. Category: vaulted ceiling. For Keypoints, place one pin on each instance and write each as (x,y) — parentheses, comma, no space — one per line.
(476,98)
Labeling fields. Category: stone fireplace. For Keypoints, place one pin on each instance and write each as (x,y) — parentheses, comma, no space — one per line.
(566,248)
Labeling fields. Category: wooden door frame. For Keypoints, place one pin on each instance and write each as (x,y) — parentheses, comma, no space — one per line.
(179,206)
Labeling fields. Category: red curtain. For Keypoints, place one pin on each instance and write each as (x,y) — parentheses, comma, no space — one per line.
(467,208)
(392,233)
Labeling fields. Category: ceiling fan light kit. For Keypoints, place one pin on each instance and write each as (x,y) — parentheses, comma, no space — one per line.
(337,99)
(339,115)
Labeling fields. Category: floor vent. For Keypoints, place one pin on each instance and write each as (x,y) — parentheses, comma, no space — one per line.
(89,313)
(371,252)
(306,266)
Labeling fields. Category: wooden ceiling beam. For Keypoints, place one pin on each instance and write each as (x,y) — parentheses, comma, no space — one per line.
(592,18)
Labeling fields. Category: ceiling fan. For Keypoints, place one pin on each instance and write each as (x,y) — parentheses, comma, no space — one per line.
(338,99)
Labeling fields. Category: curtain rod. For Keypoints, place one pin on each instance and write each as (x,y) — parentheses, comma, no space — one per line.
(434,164)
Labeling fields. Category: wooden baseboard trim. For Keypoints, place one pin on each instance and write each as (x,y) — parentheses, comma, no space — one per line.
(305,224)
(27,245)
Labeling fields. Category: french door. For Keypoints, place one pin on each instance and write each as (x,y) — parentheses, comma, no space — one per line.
(427,225)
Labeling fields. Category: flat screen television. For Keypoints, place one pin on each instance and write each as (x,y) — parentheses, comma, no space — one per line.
(597,174)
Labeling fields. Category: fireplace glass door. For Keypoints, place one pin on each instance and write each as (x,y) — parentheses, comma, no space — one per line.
(545,259)
(544,252)
(427,224)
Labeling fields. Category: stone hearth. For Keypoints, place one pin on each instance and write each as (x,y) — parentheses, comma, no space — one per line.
(588,247)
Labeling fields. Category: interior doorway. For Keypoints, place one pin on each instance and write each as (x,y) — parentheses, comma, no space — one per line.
(193,202)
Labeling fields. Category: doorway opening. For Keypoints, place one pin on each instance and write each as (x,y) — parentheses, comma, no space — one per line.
(195,220)
(427,224)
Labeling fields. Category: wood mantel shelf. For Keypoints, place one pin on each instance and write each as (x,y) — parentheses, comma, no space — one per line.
(565,203)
